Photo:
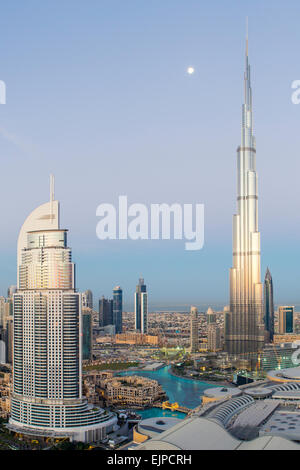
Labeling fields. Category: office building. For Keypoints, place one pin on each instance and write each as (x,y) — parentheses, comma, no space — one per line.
(105,312)
(141,307)
(11,291)
(277,356)
(211,316)
(87,299)
(194,327)
(269,305)
(286,319)
(87,334)
(117,308)
(213,337)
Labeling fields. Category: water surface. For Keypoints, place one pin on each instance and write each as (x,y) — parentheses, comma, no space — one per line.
(186,392)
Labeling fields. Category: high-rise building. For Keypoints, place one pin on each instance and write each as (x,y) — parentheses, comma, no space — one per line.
(87,299)
(2,310)
(244,329)
(117,308)
(47,395)
(141,307)
(213,337)
(194,330)
(286,319)
(105,312)
(9,339)
(269,305)
(2,348)
(211,316)
(11,290)
(278,356)
(7,332)
(87,334)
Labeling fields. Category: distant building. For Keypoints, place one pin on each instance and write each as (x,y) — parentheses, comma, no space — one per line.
(2,310)
(269,305)
(105,312)
(11,291)
(141,307)
(137,338)
(87,334)
(6,319)
(117,308)
(194,326)
(109,330)
(277,356)
(213,337)
(9,339)
(211,316)
(286,338)
(87,299)
(286,319)
(2,351)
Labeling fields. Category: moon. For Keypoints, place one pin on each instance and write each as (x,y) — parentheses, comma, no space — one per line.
(190,70)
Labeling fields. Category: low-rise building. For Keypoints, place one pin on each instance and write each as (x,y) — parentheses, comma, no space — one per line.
(136,339)
(132,390)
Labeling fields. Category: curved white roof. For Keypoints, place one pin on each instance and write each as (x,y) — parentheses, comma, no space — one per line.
(222,392)
(259,392)
(291,374)
(157,425)
(201,434)
(44,217)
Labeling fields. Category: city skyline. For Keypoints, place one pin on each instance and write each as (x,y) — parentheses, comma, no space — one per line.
(162,115)
(150,299)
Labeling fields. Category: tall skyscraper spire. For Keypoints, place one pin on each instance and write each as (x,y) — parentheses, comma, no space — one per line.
(247,36)
(243,328)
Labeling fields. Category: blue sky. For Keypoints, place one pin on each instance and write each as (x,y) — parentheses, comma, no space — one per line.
(97,93)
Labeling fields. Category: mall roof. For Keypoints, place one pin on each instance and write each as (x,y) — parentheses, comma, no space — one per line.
(202,434)
(285,375)
(222,392)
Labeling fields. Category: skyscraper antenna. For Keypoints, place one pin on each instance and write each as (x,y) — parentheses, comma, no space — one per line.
(51,187)
(51,197)
(246,35)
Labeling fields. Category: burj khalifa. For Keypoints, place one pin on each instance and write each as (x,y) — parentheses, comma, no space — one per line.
(244,332)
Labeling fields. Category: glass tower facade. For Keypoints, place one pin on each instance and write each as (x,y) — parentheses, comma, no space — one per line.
(117,308)
(87,334)
(141,307)
(286,319)
(269,305)
(105,312)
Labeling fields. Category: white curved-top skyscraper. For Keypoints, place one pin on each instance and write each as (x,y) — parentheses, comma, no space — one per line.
(47,379)
(243,325)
